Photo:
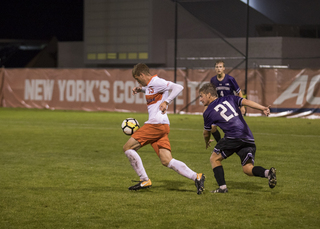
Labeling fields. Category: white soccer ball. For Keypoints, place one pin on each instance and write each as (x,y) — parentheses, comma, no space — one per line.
(129,126)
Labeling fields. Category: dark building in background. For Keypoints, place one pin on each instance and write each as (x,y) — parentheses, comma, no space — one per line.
(120,33)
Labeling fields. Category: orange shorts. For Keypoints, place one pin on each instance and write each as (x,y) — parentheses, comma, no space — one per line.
(154,134)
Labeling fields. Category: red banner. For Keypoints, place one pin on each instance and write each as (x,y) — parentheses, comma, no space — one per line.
(111,89)
(1,85)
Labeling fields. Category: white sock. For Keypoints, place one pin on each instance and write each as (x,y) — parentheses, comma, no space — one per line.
(266,173)
(136,164)
(182,169)
(223,186)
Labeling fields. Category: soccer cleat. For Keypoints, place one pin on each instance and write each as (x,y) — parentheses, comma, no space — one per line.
(199,182)
(272,177)
(141,185)
(219,190)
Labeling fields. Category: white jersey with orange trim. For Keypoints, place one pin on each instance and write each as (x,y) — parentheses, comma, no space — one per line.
(156,92)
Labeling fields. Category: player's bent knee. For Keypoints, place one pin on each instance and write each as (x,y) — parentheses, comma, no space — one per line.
(215,159)
(165,163)
(131,144)
(126,147)
(165,156)
(247,170)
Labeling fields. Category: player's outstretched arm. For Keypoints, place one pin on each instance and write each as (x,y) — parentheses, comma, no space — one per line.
(257,106)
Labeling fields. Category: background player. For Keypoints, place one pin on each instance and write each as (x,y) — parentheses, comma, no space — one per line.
(225,85)
(225,113)
(155,131)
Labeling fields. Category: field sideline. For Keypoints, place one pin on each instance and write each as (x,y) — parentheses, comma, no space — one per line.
(66,169)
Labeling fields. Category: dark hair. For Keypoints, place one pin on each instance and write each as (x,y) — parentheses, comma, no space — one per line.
(208,88)
(140,68)
(219,61)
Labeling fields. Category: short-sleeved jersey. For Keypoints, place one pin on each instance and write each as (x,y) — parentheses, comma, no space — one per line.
(228,86)
(225,113)
(156,92)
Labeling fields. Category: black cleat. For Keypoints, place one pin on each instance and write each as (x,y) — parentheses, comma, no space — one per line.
(141,185)
(199,182)
(272,177)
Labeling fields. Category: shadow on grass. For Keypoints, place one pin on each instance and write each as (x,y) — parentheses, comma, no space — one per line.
(250,187)
(173,185)
(68,189)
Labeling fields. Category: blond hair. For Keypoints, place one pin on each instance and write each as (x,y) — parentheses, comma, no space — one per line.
(140,68)
(208,88)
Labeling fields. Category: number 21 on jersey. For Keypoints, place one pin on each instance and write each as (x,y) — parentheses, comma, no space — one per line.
(224,109)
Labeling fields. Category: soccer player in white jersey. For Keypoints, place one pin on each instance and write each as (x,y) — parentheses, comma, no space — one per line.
(155,131)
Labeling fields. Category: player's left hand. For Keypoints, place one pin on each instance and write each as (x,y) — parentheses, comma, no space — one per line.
(266,111)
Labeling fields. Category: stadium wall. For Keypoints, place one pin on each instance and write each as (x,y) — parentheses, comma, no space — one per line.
(294,52)
(287,91)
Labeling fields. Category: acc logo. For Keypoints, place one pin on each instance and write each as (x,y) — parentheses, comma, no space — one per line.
(301,83)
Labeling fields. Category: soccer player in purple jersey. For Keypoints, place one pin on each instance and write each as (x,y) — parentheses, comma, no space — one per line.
(225,113)
(225,85)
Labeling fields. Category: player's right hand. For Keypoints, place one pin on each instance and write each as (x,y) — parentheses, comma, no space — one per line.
(208,143)
(135,90)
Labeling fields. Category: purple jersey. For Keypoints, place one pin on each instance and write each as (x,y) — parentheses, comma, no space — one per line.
(225,87)
(225,113)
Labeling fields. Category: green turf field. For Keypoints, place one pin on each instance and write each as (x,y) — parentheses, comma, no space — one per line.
(66,169)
